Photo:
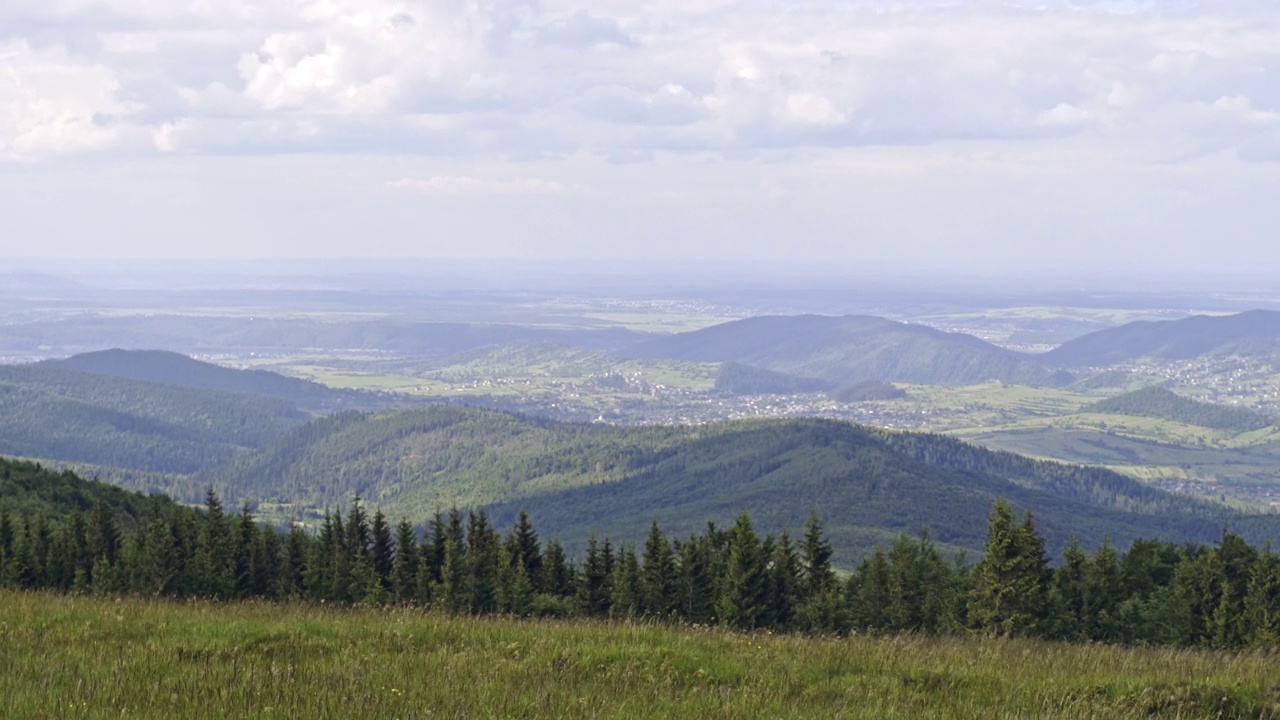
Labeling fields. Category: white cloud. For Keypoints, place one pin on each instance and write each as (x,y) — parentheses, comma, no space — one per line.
(464,185)
(524,78)
(51,102)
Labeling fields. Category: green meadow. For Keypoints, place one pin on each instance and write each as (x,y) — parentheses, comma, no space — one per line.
(68,656)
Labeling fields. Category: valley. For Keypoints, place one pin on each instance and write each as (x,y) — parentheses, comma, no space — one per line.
(949,360)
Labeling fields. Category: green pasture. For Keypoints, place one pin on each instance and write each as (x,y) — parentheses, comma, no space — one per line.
(94,657)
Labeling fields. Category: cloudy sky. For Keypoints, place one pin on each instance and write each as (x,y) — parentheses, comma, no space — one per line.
(1047,135)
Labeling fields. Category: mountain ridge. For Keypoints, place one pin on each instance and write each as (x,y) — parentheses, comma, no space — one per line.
(852,348)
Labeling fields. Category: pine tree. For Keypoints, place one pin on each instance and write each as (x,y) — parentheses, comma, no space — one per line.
(873,595)
(264,563)
(783,580)
(1010,591)
(1223,584)
(433,544)
(293,568)
(155,558)
(515,591)
(319,570)
(382,549)
(404,568)
(215,572)
(454,593)
(243,538)
(1070,593)
(525,549)
(102,536)
(815,559)
(697,587)
(482,563)
(1262,601)
(742,601)
(593,592)
(6,544)
(658,575)
(1105,593)
(557,579)
(625,584)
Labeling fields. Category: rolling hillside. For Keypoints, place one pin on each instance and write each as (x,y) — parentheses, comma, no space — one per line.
(55,413)
(1157,402)
(29,490)
(159,366)
(1256,332)
(580,478)
(852,348)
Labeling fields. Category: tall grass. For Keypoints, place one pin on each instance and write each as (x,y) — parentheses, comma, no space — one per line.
(64,656)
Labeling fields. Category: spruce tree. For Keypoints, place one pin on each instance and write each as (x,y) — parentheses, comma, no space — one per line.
(1262,601)
(625,599)
(515,590)
(697,585)
(525,549)
(1010,593)
(742,601)
(783,579)
(215,571)
(873,593)
(658,575)
(404,568)
(815,559)
(381,548)
(1105,594)
(1070,594)
(482,563)
(454,595)
(557,579)
(593,592)
(291,582)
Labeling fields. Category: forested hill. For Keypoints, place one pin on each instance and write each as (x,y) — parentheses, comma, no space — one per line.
(577,479)
(56,413)
(172,368)
(1163,404)
(1256,332)
(738,379)
(28,490)
(852,348)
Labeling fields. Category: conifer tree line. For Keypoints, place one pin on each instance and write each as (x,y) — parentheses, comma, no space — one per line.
(1225,596)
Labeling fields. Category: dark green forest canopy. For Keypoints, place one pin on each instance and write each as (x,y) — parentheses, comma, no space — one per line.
(59,532)
(30,490)
(579,478)
(1163,404)
(56,413)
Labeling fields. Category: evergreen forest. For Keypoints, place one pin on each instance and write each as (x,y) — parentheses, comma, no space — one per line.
(61,533)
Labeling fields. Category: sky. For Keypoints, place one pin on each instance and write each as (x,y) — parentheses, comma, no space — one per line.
(968,136)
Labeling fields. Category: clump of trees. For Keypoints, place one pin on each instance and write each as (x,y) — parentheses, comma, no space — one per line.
(1223,596)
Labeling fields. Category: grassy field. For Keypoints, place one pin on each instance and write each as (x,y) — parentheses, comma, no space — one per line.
(88,657)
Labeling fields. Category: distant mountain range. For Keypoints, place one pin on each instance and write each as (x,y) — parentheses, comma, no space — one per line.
(200,334)
(852,348)
(1256,332)
(868,485)
(802,349)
